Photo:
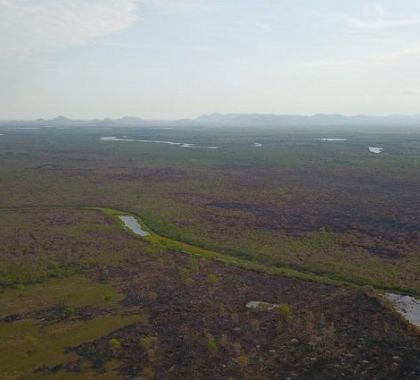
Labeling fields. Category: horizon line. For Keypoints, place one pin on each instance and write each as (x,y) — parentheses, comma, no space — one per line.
(214,114)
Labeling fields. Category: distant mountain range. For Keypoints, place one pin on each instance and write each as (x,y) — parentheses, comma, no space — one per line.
(231,120)
(272,120)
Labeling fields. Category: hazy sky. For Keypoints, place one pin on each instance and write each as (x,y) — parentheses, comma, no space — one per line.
(182,58)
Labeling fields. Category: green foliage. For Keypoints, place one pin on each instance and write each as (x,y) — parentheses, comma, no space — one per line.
(185,274)
(212,279)
(115,344)
(20,286)
(222,310)
(149,342)
(170,173)
(194,264)
(212,345)
(263,306)
(69,311)
(284,310)
(150,345)
(242,361)
(31,342)
(76,291)
(22,262)
(74,168)
(188,271)
(48,344)
(21,270)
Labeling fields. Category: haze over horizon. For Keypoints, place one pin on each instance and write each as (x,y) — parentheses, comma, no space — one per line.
(174,59)
(217,115)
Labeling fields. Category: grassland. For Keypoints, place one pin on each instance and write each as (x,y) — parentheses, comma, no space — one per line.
(330,209)
(151,311)
(288,223)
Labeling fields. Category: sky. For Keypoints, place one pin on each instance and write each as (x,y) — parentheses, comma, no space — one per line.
(170,59)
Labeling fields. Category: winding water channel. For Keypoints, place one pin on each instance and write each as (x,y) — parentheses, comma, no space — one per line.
(180,144)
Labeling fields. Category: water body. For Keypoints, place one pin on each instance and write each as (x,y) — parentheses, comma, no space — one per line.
(332,139)
(258,145)
(131,223)
(28,128)
(260,305)
(114,138)
(407,306)
(180,144)
(377,150)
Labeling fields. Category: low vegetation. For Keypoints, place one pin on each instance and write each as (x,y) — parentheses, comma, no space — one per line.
(297,223)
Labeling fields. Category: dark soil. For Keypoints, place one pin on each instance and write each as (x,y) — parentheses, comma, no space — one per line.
(384,237)
(203,330)
(57,313)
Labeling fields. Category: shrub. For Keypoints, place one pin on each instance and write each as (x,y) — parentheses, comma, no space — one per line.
(212,346)
(263,306)
(213,279)
(309,322)
(224,341)
(237,348)
(330,331)
(188,271)
(115,344)
(148,342)
(221,310)
(242,361)
(68,311)
(185,274)
(235,317)
(284,310)
(31,341)
(255,325)
(194,264)
(148,373)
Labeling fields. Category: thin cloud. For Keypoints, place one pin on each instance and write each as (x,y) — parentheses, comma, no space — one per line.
(180,5)
(372,18)
(378,24)
(412,92)
(27,27)
(399,57)
(376,16)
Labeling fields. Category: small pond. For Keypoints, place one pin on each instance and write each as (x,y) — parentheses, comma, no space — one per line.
(332,139)
(131,223)
(374,149)
(408,306)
